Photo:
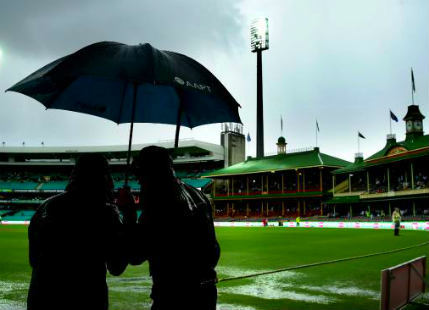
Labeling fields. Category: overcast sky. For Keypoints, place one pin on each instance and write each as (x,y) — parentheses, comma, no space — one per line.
(345,63)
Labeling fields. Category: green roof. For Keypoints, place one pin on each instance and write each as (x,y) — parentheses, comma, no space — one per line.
(280,162)
(412,143)
(358,165)
(415,146)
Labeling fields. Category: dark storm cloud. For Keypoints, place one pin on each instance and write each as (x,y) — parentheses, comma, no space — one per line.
(346,63)
(35,32)
(51,28)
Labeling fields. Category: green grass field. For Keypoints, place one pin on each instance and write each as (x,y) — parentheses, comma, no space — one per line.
(347,285)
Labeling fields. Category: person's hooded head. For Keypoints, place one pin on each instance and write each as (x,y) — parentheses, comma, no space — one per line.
(153,167)
(161,191)
(91,176)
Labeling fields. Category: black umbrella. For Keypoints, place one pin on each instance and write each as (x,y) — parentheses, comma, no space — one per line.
(128,84)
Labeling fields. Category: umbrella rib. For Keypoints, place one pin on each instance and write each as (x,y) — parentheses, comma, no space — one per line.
(55,97)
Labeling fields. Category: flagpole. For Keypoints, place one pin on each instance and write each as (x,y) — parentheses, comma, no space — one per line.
(390,120)
(413,86)
(358,143)
(316,133)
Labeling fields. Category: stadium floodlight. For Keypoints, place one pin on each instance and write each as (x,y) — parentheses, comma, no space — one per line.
(259,42)
(259,39)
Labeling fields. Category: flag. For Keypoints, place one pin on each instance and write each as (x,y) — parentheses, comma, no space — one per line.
(412,81)
(317,126)
(393,116)
(248,137)
(361,135)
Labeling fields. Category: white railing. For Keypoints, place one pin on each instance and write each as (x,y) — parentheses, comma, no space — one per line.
(291,151)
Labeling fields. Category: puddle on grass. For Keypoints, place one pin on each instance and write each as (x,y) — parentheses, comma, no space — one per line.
(281,286)
(233,307)
(11,305)
(130,285)
(131,289)
(135,280)
(274,291)
(339,289)
(9,287)
(270,286)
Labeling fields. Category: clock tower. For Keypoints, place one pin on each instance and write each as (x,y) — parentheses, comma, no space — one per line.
(413,122)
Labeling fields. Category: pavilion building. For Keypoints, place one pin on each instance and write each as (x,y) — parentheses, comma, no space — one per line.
(289,184)
(394,177)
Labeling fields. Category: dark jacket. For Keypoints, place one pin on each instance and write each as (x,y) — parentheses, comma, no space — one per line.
(72,239)
(176,235)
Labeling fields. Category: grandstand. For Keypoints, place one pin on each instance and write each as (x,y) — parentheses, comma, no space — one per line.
(394,177)
(29,175)
(283,186)
(311,184)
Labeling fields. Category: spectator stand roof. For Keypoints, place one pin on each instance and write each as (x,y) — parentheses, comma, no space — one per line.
(393,151)
(281,162)
(189,150)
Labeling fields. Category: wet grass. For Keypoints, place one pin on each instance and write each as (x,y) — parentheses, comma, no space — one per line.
(346,285)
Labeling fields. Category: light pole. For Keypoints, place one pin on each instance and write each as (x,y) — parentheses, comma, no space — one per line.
(259,42)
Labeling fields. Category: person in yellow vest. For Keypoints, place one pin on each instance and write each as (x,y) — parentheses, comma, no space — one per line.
(298,220)
(396,219)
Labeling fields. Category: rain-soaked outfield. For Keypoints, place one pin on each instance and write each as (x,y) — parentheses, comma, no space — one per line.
(347,285)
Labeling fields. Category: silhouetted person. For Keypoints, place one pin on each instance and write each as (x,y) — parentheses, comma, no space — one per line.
(74,237)
(176,235)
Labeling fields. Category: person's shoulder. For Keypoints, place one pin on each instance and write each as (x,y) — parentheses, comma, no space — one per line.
(194,191)
(56,199)
(49,207)
(53,201)
(112,209)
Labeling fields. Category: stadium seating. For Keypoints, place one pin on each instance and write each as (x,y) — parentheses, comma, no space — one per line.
(198,183)
(54,185)
(134,185)
(18,185)
(22,215)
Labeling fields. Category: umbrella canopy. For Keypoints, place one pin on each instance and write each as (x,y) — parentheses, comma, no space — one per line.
(110,80)
(128,84)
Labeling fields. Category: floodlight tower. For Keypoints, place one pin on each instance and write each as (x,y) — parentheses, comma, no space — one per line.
(259,42)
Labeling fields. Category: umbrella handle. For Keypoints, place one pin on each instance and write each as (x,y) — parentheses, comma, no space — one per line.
(179,115)
(133,112)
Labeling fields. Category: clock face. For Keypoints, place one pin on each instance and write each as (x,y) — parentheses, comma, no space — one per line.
(409,125)
(418,125)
